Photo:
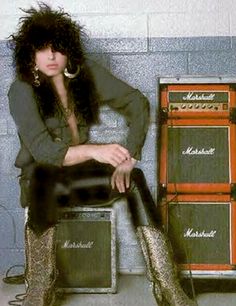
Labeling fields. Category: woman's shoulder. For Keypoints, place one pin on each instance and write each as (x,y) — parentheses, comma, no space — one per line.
(19,87)
(17,83)
(95,66)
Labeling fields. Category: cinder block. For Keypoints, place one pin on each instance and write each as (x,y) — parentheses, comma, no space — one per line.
(118,45)
(202,6)
(11,257)
(233,42)
(9,146)
(212,63)
(4,50)
(153,105)
(140,6)
(8,227)
(103,135)
(7,74)
(19,217)
(131,260)
(109,118)
(122,212)
(150,145)
(3,126)
(189,43)
(126,236)
(11,127)
(115,26)
(9,24)
(141,71)
(175,24)
(10,191)
(82,7)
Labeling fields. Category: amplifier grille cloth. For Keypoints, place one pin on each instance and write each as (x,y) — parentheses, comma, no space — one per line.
(200,233)
(198,155)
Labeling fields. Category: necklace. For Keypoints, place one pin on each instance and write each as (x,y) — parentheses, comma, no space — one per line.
(67,111)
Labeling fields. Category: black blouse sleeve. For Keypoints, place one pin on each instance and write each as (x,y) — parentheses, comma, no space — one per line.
(130,102)
(31,128)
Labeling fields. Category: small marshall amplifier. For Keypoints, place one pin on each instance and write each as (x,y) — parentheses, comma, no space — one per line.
(197,100)
(201,229)
(86,250)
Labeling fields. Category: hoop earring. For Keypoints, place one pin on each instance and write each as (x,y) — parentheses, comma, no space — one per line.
(36,76)
(71,75)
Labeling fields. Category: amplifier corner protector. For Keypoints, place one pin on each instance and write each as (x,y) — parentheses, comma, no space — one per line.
(232,115)
(163,114)
(233,191)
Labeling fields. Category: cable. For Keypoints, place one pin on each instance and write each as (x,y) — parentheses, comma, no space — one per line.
(14,279)
(19,298)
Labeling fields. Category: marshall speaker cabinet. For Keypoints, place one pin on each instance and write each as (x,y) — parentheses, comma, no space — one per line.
(198,155)
(86,250)
(202,230)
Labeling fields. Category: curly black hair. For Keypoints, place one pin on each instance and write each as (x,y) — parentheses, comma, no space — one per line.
(47,27)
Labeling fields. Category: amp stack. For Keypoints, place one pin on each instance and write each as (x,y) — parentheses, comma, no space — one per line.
(197,173)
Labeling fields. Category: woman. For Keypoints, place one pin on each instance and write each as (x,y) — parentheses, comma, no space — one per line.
(53,101)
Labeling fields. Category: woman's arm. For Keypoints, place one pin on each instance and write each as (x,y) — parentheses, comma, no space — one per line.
(126,100)
(113,154)
(31,128)
(134,106)
(39,142)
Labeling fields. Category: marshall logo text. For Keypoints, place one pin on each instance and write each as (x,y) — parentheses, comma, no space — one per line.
(191,96)
(190,233)
(77,245)
(197,151)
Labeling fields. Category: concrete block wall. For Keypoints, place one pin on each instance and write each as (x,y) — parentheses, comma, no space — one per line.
(138,41)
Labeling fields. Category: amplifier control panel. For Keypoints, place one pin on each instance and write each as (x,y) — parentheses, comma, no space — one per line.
(198,101)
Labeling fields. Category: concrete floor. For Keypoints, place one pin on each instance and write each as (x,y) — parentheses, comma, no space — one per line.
(133,290)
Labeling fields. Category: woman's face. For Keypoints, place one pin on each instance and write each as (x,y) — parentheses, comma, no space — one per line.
(51,63)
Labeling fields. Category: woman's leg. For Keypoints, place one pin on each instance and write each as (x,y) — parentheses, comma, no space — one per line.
(88,184)
(40,253)
(154,244)
(40,271)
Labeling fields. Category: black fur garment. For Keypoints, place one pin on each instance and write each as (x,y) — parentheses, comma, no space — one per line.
(51,187)
(43,209)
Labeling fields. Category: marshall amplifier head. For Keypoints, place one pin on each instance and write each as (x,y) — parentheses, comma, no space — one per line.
(197,156)
(206,100)
(86,250)
(202,232)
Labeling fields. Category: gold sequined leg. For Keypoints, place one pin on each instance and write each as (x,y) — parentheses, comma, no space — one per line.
(160,265)
(156,289)
(40,272)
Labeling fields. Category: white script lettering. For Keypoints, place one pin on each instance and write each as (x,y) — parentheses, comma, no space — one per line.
(77,245)
(190,233)
(195,97)
(197,151)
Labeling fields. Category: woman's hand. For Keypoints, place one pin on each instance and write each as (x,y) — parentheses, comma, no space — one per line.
(121,176)
(113,154)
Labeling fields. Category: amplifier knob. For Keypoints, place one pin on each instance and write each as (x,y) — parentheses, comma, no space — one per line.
(196,105)
(210,106)
(203,106)
(183,106)
(190,106)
